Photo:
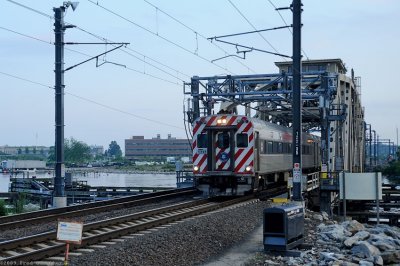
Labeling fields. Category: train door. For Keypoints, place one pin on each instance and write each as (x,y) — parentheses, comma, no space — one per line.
(223,150)
(257,152)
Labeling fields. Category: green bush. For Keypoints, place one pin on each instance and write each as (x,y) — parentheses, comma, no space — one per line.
(19,205)
(3,210)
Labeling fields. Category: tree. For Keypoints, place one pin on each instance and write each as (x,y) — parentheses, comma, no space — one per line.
(114,150)
(75,151)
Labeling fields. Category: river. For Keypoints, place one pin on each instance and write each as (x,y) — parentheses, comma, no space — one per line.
(105,179)
(94,178)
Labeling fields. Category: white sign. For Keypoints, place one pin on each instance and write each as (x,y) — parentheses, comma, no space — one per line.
(361,186)
(324,168)
(70,231)
(296,175)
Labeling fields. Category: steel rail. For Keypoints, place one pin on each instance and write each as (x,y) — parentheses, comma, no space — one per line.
(13,221)
(123,225)
(51,235)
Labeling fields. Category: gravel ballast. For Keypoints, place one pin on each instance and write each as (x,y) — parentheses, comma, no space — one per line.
(45,227)
(191,242)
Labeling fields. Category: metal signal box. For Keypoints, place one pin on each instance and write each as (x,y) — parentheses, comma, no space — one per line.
(283,227)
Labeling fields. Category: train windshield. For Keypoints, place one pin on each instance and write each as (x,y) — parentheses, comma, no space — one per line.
(202,141)
(223,140)
(242,140)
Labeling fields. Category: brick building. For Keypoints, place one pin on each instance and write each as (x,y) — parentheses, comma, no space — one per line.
(137,148)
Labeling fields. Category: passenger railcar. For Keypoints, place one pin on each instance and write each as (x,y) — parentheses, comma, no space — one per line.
(238,155)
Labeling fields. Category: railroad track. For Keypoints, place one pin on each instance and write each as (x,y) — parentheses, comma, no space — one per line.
(37,247)
(50,215)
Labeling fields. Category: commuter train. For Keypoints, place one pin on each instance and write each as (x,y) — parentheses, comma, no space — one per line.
(238,155)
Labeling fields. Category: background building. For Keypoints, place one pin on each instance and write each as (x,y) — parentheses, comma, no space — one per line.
(157,148)
(25,150)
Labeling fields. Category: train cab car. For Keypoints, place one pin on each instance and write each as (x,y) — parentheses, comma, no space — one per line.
(238,155)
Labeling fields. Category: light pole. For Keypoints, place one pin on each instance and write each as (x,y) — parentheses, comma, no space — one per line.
(59,198)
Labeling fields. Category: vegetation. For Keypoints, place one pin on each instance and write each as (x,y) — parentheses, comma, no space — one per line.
(394,167)
(19,205)
(75,152)
(3,210)
(114,150)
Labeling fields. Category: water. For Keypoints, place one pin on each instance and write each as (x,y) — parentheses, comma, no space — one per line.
(106,179)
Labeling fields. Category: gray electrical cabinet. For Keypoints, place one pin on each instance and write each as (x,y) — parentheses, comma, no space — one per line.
(283,227)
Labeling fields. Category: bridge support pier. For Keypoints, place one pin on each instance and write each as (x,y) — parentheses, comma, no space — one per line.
(325,201)
(59,202)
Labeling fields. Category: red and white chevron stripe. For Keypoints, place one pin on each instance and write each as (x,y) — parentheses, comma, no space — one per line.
(243,157)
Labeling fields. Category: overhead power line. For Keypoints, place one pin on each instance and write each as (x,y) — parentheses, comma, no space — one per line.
(284,21)
(195,32)
(31,9)
(27,80)
(105,40)
(72,50)
(25,35)
(158,35)
(251,24)
(92,101)
(138,58)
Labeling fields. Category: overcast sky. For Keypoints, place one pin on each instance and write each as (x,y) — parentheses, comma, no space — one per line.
(112,102)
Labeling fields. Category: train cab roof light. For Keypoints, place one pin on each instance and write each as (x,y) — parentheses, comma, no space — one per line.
(221,121)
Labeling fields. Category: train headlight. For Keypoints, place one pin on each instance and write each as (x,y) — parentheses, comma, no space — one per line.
(196,168)
(221,121)
(248,168)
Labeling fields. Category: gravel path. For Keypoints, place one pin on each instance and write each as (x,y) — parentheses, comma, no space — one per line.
(45,227)
(191,242)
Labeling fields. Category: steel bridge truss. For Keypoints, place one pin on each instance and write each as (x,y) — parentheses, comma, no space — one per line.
(270,95)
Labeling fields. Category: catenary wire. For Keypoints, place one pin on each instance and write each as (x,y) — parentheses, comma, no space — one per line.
(159,36)
(196,32)
(252,25)
(284,21)
(104,39)
(69,49)
(138,58)
(92,101)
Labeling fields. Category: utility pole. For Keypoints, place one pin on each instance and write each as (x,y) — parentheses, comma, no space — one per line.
(59,198)
(370,147)
(397,142)
(297,101)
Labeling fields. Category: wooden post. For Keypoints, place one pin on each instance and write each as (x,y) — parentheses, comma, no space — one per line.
(66,253)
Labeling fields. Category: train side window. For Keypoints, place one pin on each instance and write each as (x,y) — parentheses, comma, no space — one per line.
(285,148)
(289,147)
(262,146)
(265,146)
(275,147)
(270,147)
(202,141)
(242,140)
(280,148)
(223,140)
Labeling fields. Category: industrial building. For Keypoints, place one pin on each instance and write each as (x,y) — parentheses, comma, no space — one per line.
(139,148)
